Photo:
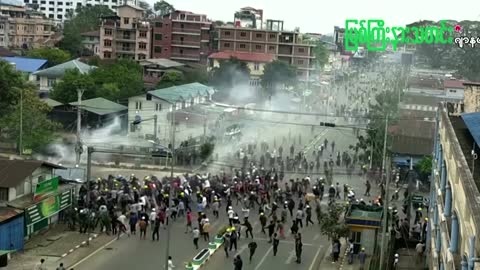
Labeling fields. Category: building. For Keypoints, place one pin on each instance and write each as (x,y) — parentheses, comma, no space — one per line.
(182,36)
(249,17)
(97,112)
(159,103)
(26,65)
(471,98)
(91,41)
(154,69)
(58,9)
(126,35)
(286,46)
(46,78)
(455,209)
(255,61)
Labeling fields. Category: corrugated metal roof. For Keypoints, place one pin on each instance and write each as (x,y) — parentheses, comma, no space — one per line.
(13,172)
(15,3)
(166,63)
(59,70)
(100,106)
(25,64)
(472,121)
(182,92)
(244,56)
(52,103)
(7,213)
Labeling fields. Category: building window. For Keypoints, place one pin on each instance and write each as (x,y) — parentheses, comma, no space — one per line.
(3,194)
(300,62)
(453,91)
(301,50)
(258,47)
(158,24)
(59,9)
(226,45)
(142,56)
(258,35)
(142,45)
(227,33)
(243,34)
(50,82)
(256,66)
(108,32)
(243,46)
(271,48)
(272,36)
(126,20)
(107,55)
(138,105)
(107,43)
(158,36)
(143,34)
(158,49)
(158,107)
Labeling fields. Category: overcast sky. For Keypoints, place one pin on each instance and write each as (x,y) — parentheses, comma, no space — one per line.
(320,16)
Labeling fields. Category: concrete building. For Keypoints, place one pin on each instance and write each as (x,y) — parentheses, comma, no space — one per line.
(249,17)
(91,41)
(471,98)
(255,61)
(455,208)
(126,35)
(454,88)
(58,9)
(182,36)
(286,46)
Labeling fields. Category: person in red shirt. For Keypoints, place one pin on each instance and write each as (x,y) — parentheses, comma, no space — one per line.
(189,221)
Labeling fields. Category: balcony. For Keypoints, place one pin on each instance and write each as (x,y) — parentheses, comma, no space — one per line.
(125,39)
(186,31)
(125,50)
(186,57)
(185,44)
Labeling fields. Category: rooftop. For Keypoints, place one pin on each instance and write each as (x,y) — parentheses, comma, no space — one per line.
(244,56)
(25,64)
(95,33)
(52,103)
(59,70)
(181,92)
(162,62)
(7,213)
(457,84)
(100,106)
(13,172)
(4,52)
(15,3)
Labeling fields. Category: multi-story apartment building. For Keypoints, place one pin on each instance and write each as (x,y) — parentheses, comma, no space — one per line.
(182,36)
(284,45)
(58,9)
(249,17)
(126,35)
(454,212)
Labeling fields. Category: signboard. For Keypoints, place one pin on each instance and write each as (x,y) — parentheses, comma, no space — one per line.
(48,207)
(45,189)
(417,199)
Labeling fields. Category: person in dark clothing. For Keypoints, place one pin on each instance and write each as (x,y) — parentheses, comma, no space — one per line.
(226,243)
(252,246)
(237,262)
(233,240)
(308,211)
(271,230)
(276,242)
(249,228)
(298,247)
(156,229)
(263,221)
(294,228)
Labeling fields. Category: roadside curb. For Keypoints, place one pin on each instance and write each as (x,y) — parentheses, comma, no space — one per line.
(84,243)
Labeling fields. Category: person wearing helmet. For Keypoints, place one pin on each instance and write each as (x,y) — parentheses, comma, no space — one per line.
(263,221)
(395,262)
(362,256)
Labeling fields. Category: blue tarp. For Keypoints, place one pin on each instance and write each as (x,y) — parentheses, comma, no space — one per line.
(472,121)
(24,64)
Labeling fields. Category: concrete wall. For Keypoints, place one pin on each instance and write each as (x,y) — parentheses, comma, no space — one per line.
(472,98)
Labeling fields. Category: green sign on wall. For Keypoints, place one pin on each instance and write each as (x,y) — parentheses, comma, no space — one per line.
(48,207)
(45,189)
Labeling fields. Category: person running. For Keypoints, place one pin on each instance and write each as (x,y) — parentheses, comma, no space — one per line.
(271,230)
(206,230)
(249,228)
(156,229)
(252,246)
(122,221)
(226,242)
(299,217)
(196,236)
(263,221)
(276,242)
(61,267)
(238,263)
(170,263)
(298,247)
(41,265)
(308,211)
(189,221)
(233,239)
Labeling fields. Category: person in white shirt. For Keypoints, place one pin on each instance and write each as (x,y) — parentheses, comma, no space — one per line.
(153,215)
(246,212)
(170,263)
(40,266)
(122,219)
(231,214)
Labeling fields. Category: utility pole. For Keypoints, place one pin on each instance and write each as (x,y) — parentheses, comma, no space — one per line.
(78,146)
(385,232)
(155,127)
(205,125)
(371,155)
(172,164)
(90,151)
(385,209)
(20,145)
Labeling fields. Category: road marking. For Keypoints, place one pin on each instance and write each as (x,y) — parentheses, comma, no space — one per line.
(264,257)
(93,253)
(315,258)
(290,257)
(242,249)
(285,241)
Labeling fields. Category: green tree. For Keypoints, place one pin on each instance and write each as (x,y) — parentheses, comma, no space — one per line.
(276,75)
(38,130)
(66,90)
(87,18)
(163,8)
(230,73)
(148,9)
(118,81)
(54,56)
(321,54)
(424,167)
(171,78)
(9,80)
(331,224)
